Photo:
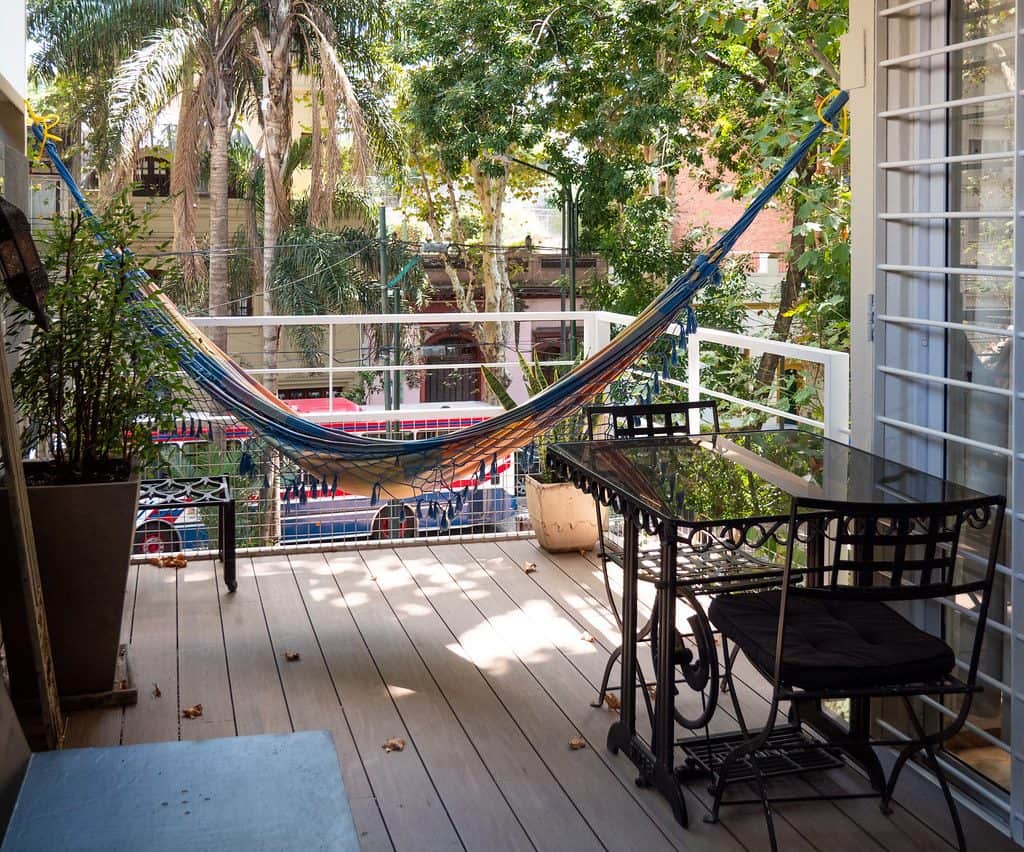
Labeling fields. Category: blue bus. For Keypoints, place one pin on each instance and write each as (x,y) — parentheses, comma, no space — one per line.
(488,506)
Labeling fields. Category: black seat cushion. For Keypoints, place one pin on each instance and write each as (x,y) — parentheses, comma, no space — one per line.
(832,643)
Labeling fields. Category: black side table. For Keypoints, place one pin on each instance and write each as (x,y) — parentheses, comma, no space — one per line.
(196,493)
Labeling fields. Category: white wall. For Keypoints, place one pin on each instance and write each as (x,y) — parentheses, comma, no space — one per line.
(857,72)
(13,85)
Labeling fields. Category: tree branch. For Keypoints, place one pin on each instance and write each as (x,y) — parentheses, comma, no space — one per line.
(823,61)
(714,59)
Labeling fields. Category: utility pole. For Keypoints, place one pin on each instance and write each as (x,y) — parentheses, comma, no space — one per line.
(573,212)
(385,304)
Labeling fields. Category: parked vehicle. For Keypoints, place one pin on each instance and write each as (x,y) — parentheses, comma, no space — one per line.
(311,515)
(169,531)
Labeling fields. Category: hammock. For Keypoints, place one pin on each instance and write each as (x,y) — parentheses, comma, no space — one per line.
(400,469)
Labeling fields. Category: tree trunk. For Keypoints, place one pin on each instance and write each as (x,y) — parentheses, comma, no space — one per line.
(220,133)
(490,192)
(184,175)
(277,81)
(463,295)
(276,141)
(788,299)
(789,296)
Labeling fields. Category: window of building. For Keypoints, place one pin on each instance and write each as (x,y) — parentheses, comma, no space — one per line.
(947,145)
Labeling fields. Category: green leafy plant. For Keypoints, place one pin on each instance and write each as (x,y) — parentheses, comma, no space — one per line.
(539,377)
(97,384)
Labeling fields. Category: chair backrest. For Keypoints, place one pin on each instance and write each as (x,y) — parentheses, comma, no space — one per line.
(649,421)
(890,552)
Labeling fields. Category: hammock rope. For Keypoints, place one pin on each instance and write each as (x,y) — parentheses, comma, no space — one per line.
(381,468)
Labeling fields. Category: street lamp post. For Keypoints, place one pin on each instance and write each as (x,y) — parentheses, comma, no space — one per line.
(573,205)
(569,196)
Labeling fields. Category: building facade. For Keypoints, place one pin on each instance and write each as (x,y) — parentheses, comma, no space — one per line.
(13,88)
(938,308)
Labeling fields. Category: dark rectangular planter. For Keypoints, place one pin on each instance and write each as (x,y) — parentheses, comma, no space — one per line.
(83,537)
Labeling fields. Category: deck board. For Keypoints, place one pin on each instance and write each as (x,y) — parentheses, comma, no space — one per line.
(567,794)
(154,658)
(392,623)
(313,702)
(256,691)
(483,669)
(400,783)
(202,662)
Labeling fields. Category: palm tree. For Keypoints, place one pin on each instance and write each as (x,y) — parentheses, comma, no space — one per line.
(336,45)
(195,49)
(202,56)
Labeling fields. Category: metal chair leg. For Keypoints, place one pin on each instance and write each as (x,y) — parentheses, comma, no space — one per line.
(901,760)
(940,775)
(927,744)
(763,791)
(749,746)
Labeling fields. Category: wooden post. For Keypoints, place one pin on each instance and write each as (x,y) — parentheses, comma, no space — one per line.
(25,555)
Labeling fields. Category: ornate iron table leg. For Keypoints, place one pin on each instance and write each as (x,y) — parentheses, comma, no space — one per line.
(227,544)
(622,732)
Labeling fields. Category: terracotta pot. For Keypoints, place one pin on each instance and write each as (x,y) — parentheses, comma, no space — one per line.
(563,517)
(83,537)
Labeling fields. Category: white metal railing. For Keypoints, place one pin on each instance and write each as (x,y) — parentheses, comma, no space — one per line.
(597,329)
(835,390)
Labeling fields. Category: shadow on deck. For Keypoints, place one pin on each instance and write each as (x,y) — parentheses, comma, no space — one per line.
(486,672)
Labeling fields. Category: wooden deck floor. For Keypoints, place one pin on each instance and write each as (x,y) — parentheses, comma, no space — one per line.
(485,672)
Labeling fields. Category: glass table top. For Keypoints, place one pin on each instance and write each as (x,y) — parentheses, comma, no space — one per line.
(735,475)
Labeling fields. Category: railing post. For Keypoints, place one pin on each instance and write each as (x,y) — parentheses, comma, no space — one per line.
(693,375)
(330,366)
(597,332)
(836,396)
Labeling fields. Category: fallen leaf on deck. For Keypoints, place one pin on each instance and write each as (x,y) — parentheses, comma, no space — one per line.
(292,656)
(193,712)
(586,637)
(176,561)
(393,744)
(529,567)
(156,691)
(577,743)
(652,691)
(612,701)
(373,578)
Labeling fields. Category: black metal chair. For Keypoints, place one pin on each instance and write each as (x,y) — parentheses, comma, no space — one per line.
(638,421)
(647,421)
(837,634)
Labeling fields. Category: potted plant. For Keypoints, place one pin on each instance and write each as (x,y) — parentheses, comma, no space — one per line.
(91,390)
(563,517)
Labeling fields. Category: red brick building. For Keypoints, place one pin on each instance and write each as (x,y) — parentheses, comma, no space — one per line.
(695,207)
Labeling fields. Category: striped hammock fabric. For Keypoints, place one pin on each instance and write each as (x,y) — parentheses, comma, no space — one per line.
(383,469)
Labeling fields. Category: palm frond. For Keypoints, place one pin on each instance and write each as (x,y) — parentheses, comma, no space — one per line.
(147,81)
(92,36)
(336,76)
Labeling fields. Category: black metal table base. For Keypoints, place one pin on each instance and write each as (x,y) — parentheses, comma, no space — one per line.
(652,772)
(788,751)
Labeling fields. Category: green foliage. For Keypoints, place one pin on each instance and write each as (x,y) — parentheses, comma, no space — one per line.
(752,77)
(326,272)
(539,377)
(97,383)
